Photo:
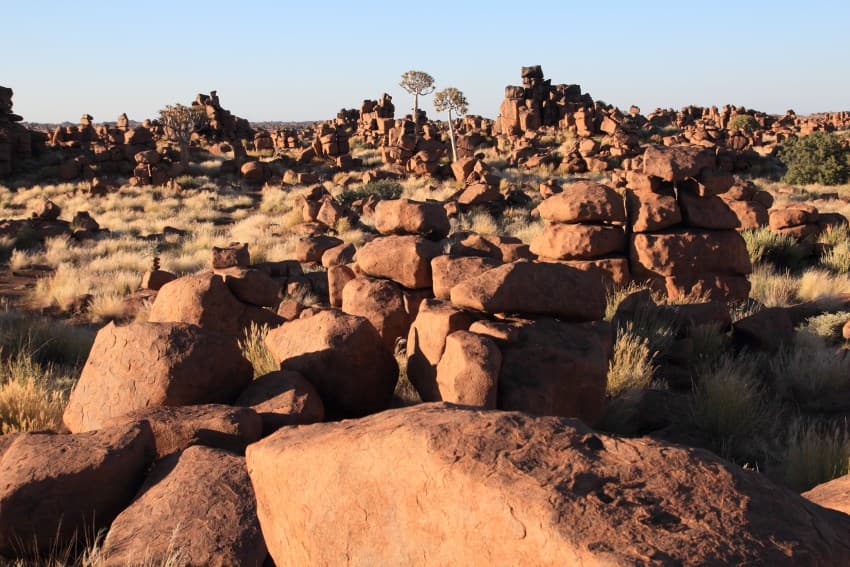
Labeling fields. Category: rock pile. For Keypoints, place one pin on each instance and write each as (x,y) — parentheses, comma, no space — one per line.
(376,119)
(17,143)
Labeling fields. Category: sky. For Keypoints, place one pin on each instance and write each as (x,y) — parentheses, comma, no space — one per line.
(304,60)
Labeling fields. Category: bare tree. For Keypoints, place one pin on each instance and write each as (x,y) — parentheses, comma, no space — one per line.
(451,99)
(179,123)
(417,83)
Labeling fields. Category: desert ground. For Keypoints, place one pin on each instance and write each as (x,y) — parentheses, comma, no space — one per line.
(569,335)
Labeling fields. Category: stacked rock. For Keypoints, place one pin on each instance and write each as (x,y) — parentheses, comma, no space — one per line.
(16,142)
(419,157)
(684,240)
(377,118)
(585,230)
(799,220)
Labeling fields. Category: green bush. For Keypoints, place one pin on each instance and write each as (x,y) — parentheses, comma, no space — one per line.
(781,250)
(744,122)
(816,158)
(383,189)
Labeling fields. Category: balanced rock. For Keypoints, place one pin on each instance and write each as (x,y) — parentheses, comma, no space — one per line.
(584,202)
(404,259)
(403,216)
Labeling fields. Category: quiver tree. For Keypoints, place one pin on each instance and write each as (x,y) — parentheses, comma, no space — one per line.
(179,122)
(451,100)
(417,83)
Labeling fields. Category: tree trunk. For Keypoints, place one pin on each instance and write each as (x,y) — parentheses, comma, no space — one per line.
(452,137)
(415,121)
(184,155)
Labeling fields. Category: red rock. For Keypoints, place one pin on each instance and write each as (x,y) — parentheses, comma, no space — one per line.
(468,371)
(684,252)
(215,425)
(203,300)
(283,398)
(403,216)
(792,215)
(677,163)
(707,212)
(448,271)
(584,201)
(426,342)
(255,287)
(478,194)
(534,289)
(232,256)
(578,241)
(341,254)
(46,210)
(604,500)
(343,356)
(613,271)
(338,278)
(768,329)
(404,259)
(142,365)
(58,487)
(382,303)
(651,212)
(155,279)
(198,505)
(834,494)
(311,248)
(751,214)
(501,248)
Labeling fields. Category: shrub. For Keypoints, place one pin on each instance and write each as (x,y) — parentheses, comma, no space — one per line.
(773,289)
(766,246)
(632,364)
(253,347)
(816,453)
(816,158)
(827,325)
(744,122)
(383,189)
(810,371)
(837,258)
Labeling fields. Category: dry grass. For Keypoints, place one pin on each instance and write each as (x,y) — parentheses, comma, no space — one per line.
(253,346)
(773,289)
(810,370)
(632,363)
(815,453)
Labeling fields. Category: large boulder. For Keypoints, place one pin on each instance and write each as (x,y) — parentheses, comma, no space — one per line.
(468,371)
(214,425)
(557,368)
(283,398)
(584,201)
(382,303)
(54,488)
(677,163)
(343,356)
(651,211)
(201,299)
(404,259)
(141,365)
(707,212)
(834,494)
(448,271)
(578,241)
(197,506)
(440,485)
(403,216)
(534,288)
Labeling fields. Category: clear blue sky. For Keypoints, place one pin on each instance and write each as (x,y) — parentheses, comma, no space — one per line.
(305,60)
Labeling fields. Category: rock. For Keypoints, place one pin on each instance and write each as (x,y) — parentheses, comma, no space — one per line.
(768,329)
(403,216)
(46,210)
(478,194)
(201,299)
(557,368)
(155,279)
(343,356)
(283,398)
(338,278)
(793,215)
(584,201)
(233,256)
(214,425)
(614,271)
(311,248)
(198,505)
(834,494)
(707,212)
(751,214)
(255,172)
(254,287)
(58,487)
(382,303)
(338,255)
(578,241)
(520,490)
(533,288)
(468,371)
(651,212)
(141,365)
(448,271)
(404,259)
(501,248)
(677,163)
(426,342)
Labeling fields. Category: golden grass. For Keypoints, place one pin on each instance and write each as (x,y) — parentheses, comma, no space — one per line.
(815,453)
(632,364)
(253,346)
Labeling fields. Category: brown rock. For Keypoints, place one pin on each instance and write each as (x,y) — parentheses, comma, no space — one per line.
(215,425)
(201,299)
(233,256)
(707,212)
(793,215)
(46,210)
(338,278)
(403,216)
(834,494)
(198,505)
(343,356)
(501,248)
(578,241)
(255,287)
(426,342)
(478,194)
(283,398)
(689,252)
(557,368)
(448,271)
(613,271)
(584,201)
(155,279)
(651,212)
(769,330)
(404,259)
(605,500)
(382,303)
(534,289)
(751,214)
(468,371)
(311,248)
(677,163)
(341,254)
(58,487)
(154,364)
